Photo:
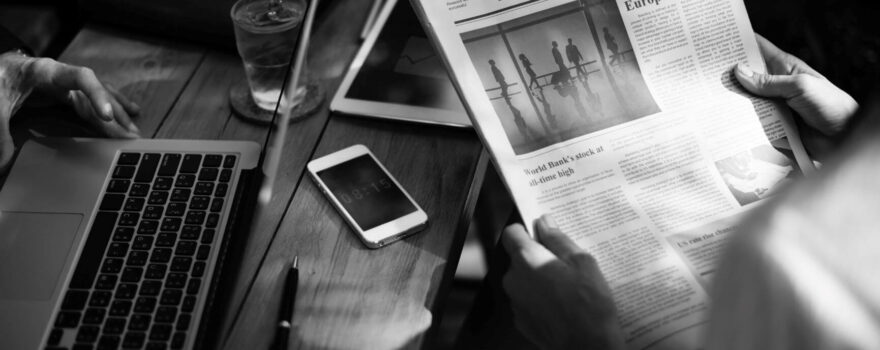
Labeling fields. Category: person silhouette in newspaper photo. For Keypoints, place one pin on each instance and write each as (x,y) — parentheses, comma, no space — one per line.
(575,57)
(499,78)
(611,44)
(561,300)
(22,75)
(527,65)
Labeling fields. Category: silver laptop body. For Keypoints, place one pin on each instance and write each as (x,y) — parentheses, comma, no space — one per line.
(48,207)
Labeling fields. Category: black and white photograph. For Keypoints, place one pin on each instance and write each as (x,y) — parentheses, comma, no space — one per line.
(560,73)
(756,174)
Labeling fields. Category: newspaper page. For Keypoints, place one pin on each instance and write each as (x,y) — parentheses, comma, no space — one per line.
(622,120)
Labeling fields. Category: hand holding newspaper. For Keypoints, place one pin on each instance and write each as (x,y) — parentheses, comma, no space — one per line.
(622,120)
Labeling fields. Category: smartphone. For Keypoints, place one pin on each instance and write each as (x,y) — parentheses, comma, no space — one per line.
(368,197)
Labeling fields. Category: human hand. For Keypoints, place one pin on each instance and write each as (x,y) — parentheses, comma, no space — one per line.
(559,297)
(821,104)
(98,103)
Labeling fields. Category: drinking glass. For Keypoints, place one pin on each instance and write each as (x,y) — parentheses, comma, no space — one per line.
(266,36)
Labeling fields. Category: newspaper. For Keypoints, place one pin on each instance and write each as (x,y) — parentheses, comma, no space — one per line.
(623,121)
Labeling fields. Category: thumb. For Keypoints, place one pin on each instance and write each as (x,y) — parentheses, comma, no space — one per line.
(768,85)
(7,148)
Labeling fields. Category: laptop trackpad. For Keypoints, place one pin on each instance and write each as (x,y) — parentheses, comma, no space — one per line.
(33,250)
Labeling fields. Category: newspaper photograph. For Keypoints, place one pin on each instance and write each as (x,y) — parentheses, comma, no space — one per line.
(623,121)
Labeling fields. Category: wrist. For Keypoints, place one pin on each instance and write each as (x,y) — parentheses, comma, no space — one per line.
(15,79)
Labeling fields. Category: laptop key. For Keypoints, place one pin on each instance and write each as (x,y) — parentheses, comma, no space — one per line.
(189,303)
(117,250)
(191,163)
(139,322)
(181,263)
(148,227)
(198,269)
(183,321)
(134,340)
(178,340)
(166,314)
(161,255)
(180,195)
(112,265)
(171,224)
(208,174)
(225,176)
(160,332)
(175,280)
(195,217)
(87,334)
(186,248)
(126,291)
(118,186)
(200,202)
(120,308)
(123,234)
(139,190)
(108,342)
(156,346)
(147,169)
(100,298)
(166,239)
(212,161)
(75,300)
(92,253)
(208,236)
(176,209)
(156,271)
(153,212)
(145,305)
(129,158)
(55,336)
(129,219)
(112,201)
(123,172)
(106,282)
(190,232)
(169,164)
(213,220)
(132,274)
(114,325)
(142,242)
(229,161)
(203,252)
(204,188)
(163,183)
(134,204)
(67,319)
(150,288)
(193,286)
(158,198)
(185,180)
(217,205)
(94,316)
(172,297)
(221,190)
(137,258)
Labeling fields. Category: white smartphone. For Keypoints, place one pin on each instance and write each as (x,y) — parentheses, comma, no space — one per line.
(368,197)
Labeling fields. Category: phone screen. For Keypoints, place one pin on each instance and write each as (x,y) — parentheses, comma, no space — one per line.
(366,192)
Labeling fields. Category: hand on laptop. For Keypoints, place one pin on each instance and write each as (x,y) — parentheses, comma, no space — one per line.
(98,103)
(559,297)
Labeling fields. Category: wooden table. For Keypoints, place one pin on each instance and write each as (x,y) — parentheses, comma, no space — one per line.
(350,296)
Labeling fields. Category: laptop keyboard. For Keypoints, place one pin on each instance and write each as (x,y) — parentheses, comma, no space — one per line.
(143,269)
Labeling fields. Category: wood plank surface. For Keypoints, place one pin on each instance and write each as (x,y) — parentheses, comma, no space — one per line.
(352,297)
(151,71)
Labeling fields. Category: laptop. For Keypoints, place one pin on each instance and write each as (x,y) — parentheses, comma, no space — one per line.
(123,244)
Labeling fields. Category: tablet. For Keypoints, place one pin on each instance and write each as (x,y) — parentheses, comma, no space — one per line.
(397,75)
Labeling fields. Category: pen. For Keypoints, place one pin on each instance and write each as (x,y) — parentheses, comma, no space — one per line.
(291,283)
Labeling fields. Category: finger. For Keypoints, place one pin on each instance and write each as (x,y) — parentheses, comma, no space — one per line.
(768,85)
(551,237)
(130,107)
(7,148)
(86,110)
(123,118)
(81,78)
(780,62)
(522,248)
